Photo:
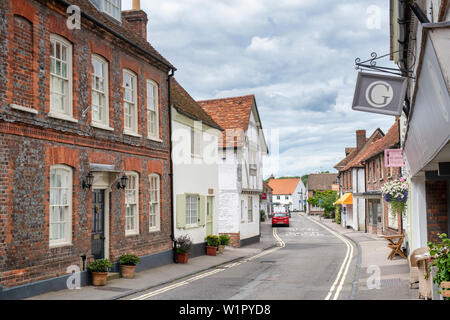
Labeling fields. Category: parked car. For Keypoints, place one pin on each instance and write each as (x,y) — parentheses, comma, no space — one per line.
(280,219)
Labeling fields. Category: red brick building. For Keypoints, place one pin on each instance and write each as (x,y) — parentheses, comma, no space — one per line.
(80,107)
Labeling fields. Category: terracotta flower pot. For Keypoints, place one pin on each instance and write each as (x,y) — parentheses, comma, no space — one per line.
(128,271)
(182,257)
(221,248)
(99,278)
(211,251)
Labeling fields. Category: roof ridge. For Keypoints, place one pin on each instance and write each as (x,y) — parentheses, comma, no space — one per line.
(227,98)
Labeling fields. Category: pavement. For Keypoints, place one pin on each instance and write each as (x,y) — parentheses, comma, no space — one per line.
(372,261)
(151,278)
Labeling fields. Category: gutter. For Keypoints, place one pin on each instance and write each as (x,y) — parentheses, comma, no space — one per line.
(99,24)
(172,214)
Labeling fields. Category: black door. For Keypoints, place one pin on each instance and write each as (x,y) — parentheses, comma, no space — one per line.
(98,224)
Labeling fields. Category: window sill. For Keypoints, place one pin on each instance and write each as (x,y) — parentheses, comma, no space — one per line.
(101,126)
(62,117)
(60,245)
(154,139)
(131,234)
(192,226)
(196,156)
(153,230)
(22,108)
(133,134)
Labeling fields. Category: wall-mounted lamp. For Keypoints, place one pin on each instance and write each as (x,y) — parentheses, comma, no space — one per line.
(122,183)
(87,183)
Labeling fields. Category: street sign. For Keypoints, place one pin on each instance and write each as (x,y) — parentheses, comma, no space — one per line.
(393,158)
(379,93)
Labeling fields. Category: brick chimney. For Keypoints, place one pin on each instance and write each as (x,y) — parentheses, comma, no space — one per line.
(360,139)
(137,19)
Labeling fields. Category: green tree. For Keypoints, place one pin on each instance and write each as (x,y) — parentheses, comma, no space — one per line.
(324,200)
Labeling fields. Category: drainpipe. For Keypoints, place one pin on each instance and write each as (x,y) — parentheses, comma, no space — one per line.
(403,37)
(172,236)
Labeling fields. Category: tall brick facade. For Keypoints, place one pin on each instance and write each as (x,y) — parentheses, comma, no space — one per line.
(437,193)
(31,141)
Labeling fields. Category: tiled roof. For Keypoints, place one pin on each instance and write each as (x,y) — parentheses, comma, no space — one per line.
(375,146)
(321,181)
(186,105)
(230,113)
(352,153)
(388,141)
(266,185)
(283,186)
(124,29)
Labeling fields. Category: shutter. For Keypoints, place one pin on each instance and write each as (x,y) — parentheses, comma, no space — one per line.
(202,213)
(181,211)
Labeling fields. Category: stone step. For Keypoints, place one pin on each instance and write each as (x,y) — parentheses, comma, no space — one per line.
(113,275)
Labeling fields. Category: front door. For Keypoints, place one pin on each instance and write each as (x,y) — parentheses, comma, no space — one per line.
(209,215)
(98,224)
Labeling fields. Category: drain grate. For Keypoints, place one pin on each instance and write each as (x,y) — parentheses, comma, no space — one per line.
(115,289)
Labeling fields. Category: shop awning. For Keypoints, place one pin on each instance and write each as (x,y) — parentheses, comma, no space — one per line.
(347,198)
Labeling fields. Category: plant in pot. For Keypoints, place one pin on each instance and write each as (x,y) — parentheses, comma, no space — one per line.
(99,269)
(262,214)
(128,263)
(224,240)
(212,242)
(184,244)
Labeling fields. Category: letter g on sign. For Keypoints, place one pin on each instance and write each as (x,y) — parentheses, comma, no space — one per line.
(379,94)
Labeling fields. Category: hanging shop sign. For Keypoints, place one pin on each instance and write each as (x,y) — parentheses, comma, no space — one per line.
(393,158)
(379,93)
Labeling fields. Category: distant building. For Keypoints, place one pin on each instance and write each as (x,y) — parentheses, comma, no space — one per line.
(289,192)
(319,182)
(265,203)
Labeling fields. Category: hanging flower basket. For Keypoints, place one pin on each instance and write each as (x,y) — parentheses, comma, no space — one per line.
(396,194)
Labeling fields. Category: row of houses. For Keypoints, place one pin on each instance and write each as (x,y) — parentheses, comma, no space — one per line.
(362,174)
(104,153)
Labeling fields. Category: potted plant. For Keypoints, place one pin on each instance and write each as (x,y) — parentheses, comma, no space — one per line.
(440,259)
(212,244)
(128,263)
(224,240)
(184,244)
(263,215)
(99,269)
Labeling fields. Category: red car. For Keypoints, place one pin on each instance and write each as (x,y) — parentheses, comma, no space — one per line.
(280,218)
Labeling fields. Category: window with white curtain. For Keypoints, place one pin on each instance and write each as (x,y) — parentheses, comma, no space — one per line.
(60,76)
(130,102)
(132,204)
(60,222)
(154,203)
(100,101)
(192,209)
(152,110)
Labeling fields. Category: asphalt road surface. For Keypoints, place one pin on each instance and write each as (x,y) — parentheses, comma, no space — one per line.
(310,262)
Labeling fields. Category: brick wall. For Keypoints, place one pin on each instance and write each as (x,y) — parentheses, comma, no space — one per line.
(31,143)
(235,239)
(437,209)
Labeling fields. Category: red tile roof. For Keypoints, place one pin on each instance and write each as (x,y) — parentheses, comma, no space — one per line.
(230,113)
(186,105)
(321,181)
(283,186)
(123,30)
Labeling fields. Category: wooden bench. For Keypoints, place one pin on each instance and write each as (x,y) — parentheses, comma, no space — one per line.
(445,285)
(396,245)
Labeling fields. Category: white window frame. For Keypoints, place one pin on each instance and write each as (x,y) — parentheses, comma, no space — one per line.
(190,221)
(154,201)
(115,4)
(250,210)
(105,68)
(133,130)
(132,231)
(67,239)
(67,113)
(196,143)
(153,107)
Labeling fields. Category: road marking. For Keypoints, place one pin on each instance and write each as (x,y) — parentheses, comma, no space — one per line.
(343,270)
(281,243)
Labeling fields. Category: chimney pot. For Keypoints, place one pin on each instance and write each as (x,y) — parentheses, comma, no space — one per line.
(136,5)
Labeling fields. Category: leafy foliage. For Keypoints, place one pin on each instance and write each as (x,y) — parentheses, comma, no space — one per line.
(184,244)
(441,259)
(129,260)
(324,200)
(396,193)
(212,240)
(100,265)
(224,239)
(262,214)
(337,215)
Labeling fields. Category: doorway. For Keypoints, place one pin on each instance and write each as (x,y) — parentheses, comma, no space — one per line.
(209,215)
(98,224)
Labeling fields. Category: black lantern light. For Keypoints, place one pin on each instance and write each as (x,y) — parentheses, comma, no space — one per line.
(87,183)
(122,183)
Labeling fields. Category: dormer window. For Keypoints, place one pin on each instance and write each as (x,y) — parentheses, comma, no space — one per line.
(110,7)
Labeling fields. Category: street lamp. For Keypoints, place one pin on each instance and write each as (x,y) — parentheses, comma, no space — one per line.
(89,180)
(122,183)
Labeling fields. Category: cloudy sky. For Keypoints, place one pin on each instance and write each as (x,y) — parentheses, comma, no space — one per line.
(296,56)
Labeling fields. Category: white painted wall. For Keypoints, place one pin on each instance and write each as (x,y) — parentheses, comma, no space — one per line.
(299,194)
(196,176)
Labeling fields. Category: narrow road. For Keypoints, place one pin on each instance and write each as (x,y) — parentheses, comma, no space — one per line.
(309,263)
